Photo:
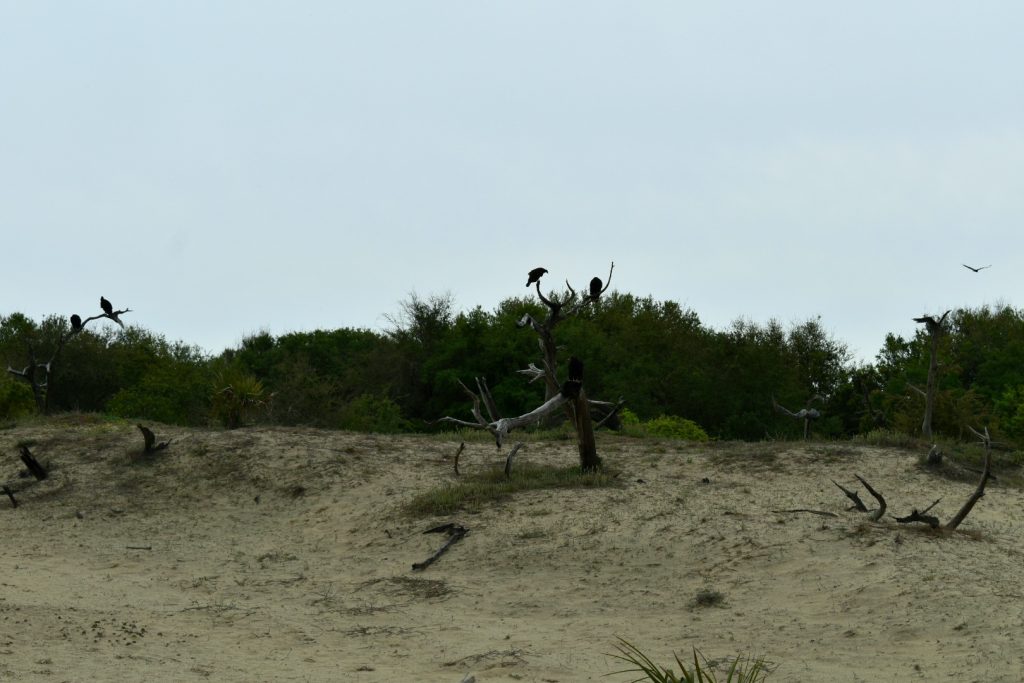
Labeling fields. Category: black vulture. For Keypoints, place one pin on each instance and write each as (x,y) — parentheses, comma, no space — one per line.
(571,387)
(595,287)
(535,275)
(107,307)
(975,269)
(575,369)
(76,323)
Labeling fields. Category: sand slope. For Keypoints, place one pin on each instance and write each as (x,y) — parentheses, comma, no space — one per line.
(283,555)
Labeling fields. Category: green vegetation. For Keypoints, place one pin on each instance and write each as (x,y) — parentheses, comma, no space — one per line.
(475,490)
(682,380)
(740,671)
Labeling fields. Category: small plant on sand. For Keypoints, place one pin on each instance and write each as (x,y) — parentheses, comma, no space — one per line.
(488,486)
(742,670)
(236,396)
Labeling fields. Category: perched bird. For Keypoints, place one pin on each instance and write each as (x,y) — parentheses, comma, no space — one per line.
(595,287)
(76,323)
(975,269)
(930,320)
(575,369)
(535,275)
(571,387)
(107,307)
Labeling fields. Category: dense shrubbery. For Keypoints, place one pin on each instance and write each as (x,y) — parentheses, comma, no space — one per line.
(657,355)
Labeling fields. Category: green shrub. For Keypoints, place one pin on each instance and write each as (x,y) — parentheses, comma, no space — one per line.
(369,413)
(628,418)
(675,427)
(741,671)
(236,397)
(166,393)
(15,398)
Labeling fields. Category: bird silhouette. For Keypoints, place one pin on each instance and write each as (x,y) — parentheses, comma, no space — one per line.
(979,268)
(107,307)
(595,287)
(76,322)
(535,275)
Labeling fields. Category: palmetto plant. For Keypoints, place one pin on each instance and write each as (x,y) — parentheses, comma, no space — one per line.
(742,670)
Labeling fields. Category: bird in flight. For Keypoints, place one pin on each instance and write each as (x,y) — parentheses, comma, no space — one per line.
(975,269)
(535,275)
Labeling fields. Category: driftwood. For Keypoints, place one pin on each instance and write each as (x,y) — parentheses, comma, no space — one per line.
(813,512)
(10,494)
(511,455)
(455,532)
(37,470)
(150,440)
(462,447)
(921,516)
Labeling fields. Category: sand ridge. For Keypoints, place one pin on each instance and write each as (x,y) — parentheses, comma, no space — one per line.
(276,554)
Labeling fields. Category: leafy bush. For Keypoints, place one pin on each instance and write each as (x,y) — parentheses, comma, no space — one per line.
(675,427)
(236,397)
(369,413)
(166,393)
(15,398)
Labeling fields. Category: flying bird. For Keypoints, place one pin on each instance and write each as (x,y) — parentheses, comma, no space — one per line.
(979,268)
(535,275)
(76,323)
(930,320)
(595,287)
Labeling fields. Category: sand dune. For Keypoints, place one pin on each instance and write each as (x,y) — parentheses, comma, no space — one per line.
(284,555)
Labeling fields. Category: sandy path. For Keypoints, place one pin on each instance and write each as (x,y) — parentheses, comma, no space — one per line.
(283,555)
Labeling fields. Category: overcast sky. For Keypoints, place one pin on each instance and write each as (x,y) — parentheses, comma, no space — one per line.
(229,167)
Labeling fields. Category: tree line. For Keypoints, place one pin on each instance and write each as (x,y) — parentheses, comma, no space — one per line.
(657,355)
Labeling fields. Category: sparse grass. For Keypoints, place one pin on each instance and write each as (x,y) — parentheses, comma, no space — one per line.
(489,486)
(890,439)
(747,454)
(742,670)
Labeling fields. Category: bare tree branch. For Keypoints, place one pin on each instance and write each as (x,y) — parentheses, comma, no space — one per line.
(980,490)
(877,514)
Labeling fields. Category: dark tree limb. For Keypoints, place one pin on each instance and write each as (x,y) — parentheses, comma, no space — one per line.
(510,457)
(456,532)
(935,331)
(858,504)
(813,512)
(916,516)
(980,490)
(877,514)
(462,447)
(149,440)
(37,470)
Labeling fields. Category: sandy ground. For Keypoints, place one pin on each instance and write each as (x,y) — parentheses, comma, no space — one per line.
(284,555)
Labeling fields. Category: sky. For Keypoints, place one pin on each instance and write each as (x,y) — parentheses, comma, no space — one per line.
(226,168)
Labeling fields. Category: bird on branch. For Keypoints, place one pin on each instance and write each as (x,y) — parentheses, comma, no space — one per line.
(76,322)
(109,312)
(930,320)
(535,275)
(980,268)
(571,387)
(595,288)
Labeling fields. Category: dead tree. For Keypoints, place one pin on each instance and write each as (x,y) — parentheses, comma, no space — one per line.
(935,330)
(38,373)
(807,413)
(569,396)
(921,516)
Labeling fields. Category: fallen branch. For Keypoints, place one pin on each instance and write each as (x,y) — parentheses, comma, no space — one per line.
(916,516)
(511,455)
(813,512)
(150,440)
(980,490)
(462,447)
(455,534)
(37,470)
(877,514)
(858,504)
(10,494)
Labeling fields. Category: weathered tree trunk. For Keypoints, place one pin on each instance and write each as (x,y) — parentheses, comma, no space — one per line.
(589,459)
(929,395)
